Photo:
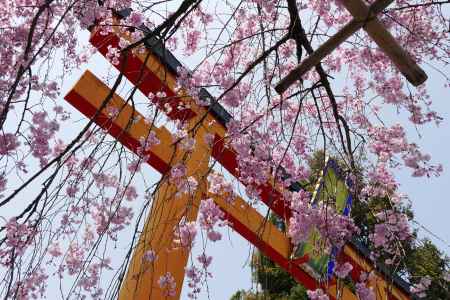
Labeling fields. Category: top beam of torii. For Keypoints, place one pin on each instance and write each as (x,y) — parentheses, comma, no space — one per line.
(363,17)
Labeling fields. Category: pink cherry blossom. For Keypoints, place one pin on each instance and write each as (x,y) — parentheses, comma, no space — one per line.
(167,284)
(185,234)
(89,185)
(317,295)
(194,276)
(149,256)
(136,19)
(8,143)
(210,215)
(420,288)
(342,270)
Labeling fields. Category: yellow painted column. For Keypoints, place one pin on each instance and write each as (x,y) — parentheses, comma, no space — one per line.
(167,210)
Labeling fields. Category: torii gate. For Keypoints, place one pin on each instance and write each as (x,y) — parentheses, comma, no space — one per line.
(154,71)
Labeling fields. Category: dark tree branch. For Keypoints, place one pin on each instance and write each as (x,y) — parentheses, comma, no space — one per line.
(301,39)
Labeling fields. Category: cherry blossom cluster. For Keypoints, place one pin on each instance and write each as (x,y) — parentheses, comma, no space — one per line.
(219,186)
(420,288)
(19,237)
(209,216)
(149,256)
(196,274)
(318,294)
(33,287)
(146,143)
(185,184)
(185,234)
(168,284)
(363,291)
(307,217)
(342,270)
(190,84)
(390,141)
(392,228)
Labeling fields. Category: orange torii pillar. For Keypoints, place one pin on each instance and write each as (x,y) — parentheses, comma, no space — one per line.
(167,210)
(158,233)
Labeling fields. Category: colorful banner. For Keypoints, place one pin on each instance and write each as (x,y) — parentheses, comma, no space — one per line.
(334,188)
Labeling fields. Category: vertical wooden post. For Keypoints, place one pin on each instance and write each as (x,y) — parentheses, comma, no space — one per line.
(167,210)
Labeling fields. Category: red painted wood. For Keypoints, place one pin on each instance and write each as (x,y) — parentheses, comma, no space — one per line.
(301,260)
(390,296)
(137,73)
(271,197)
(301,276)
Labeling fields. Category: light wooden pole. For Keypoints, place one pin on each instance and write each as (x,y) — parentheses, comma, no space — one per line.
(364,17)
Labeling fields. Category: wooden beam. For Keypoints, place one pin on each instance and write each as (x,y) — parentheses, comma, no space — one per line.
(381,284)
(344,292)
(128,126)
(268,234)
(364,17)
(329,46)
(384,39)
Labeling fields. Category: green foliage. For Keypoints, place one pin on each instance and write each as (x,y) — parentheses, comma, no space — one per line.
(298,292)
(275,283)
(316,165)
(426,260)
(273,280)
